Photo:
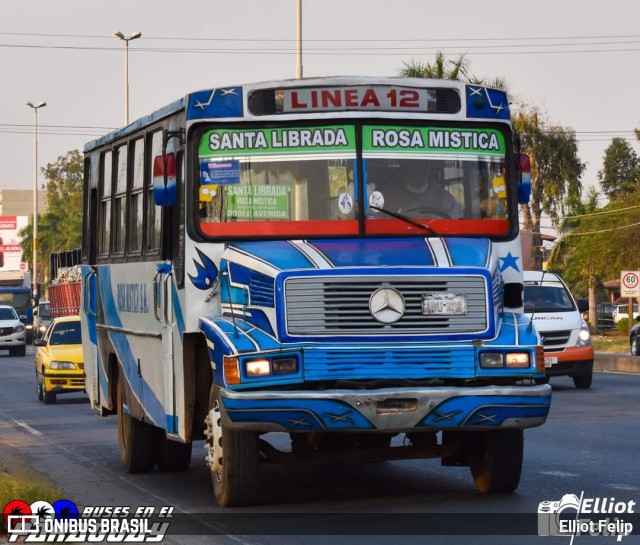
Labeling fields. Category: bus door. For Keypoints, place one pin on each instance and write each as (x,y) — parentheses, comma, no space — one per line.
(163,309)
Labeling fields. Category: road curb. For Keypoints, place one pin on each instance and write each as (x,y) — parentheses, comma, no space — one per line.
(620,363)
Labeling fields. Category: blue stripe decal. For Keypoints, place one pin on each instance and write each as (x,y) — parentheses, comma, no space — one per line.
(241,341)
(298,414)
(468,252)
(486,410)
(279,253)
(218,103)
(264,341)
(177,310)
(152,404)
(375,252)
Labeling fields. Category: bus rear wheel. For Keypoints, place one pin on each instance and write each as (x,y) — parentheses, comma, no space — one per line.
(135,439)
(172,455)
(232,457)
(498,461)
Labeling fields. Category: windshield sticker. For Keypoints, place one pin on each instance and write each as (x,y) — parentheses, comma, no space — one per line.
(263,202)
(376,199)
(220,172)
(345,203)
(251,142)
(433,140)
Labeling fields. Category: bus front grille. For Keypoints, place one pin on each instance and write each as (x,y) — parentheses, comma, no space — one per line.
(340,305)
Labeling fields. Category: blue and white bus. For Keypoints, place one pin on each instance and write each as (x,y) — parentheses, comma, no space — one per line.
(337,259)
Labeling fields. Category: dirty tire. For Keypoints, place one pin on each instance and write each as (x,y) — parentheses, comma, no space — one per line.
(171,455)
(234,473)
(498,462)
(135,439)
(583,382)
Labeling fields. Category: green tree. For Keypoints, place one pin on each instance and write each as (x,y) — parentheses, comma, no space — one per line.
(61,227)
(442,68)
(556,170)
(599,247)
(620,169)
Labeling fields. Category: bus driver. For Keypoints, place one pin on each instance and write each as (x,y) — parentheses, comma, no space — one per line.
(419,192)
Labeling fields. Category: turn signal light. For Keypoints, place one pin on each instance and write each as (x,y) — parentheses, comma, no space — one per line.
(231,370)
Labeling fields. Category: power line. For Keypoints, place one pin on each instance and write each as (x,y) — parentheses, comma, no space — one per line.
(333,40)
(364,52)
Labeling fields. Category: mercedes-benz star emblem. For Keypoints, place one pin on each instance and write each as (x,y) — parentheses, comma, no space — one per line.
(386,305)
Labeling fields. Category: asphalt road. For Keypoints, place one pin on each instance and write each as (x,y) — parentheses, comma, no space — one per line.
(590,446)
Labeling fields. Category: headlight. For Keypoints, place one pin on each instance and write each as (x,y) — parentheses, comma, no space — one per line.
(19,328)
(584,336)
(42,328)
(59,365)
(257,368)
(517,359)
(491,360)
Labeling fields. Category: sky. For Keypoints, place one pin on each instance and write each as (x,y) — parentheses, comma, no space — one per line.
(576,60)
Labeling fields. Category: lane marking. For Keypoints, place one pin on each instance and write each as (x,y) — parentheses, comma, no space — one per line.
(625,487)
(559,474)
(26,426)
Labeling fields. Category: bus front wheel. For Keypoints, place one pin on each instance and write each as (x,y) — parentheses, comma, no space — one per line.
(498,461)
(232,458)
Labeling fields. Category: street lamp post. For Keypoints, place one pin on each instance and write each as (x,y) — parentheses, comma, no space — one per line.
(126,41)
(35,195)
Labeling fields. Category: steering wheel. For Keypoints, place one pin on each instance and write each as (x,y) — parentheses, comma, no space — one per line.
(420,210)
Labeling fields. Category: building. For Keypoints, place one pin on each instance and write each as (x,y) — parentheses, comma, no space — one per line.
(19,202)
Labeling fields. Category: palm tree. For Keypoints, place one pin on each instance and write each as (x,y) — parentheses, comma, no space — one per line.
(441,68)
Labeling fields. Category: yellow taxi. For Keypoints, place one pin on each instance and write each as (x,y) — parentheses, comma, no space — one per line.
(59,364)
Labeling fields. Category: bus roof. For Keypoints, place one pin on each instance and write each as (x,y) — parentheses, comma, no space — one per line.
(228,102)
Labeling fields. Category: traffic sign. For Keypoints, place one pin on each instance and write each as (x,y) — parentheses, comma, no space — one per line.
(630,284)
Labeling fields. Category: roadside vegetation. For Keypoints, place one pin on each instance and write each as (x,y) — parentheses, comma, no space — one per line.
(25,486)
(615,343)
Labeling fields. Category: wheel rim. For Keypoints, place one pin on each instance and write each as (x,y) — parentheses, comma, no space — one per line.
(217,452)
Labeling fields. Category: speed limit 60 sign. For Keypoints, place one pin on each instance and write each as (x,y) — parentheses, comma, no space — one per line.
(630,284)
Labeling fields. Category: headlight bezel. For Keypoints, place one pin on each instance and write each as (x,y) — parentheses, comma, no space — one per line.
(62,365)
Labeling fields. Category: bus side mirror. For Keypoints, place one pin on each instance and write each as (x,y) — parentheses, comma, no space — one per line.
(583,305)
(164,179)
(523,166)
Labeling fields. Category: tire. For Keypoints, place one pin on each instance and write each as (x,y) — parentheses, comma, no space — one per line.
(49,398)
(171,455)
(635,346)
(583,382)
(232,458)
(498,462)
(135,439)
(21,351)
(39,387)
(12,351)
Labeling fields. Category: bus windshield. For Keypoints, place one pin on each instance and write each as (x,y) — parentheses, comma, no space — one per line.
(305,181)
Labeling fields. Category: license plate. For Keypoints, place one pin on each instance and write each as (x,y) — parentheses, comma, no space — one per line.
(548,362)
(444,304)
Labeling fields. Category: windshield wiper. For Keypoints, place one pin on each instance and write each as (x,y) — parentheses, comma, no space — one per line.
(406,219)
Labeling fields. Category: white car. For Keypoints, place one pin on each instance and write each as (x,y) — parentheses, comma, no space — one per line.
(622,311)
(12,332)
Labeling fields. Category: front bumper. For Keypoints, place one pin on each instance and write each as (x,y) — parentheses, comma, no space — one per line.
(61,382)
(388,409)
(572,361)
